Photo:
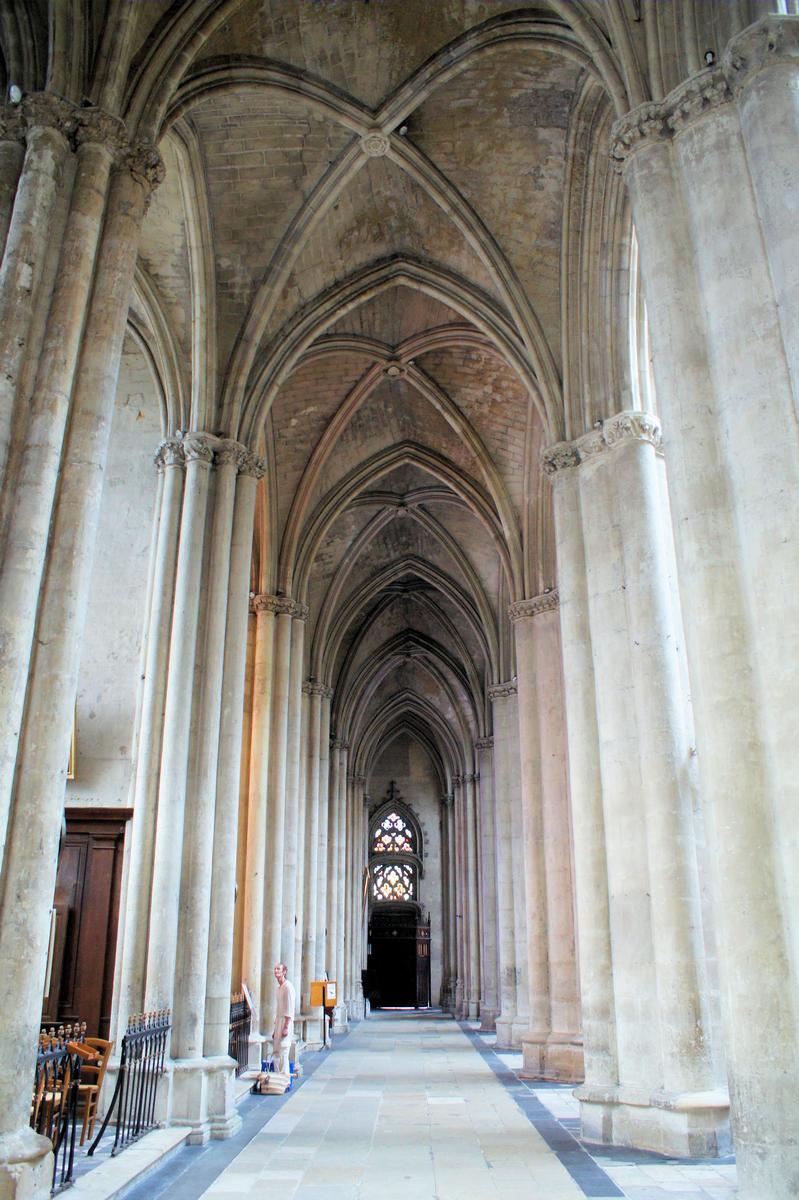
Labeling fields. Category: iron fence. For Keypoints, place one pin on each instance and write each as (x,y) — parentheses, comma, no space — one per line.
(240,1025)
(54,1108)
(141,1065)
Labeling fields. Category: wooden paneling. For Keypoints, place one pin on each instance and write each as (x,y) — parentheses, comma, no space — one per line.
(87,911)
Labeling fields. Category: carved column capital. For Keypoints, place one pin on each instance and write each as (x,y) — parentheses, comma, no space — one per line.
(199,447)
(499,691)
(772,41)
(472,778)
(546,602)
(447,799)
(457,781)
(559,457)
(658,121)
(252,465)
(312,687)
(484,744)
(96,126)
(339,744)
(628,426)
(145,164)
(43,110)
(169,454)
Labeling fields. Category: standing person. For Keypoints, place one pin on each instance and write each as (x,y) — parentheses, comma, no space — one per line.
(284,1019)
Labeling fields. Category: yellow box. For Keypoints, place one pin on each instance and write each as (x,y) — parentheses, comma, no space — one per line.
(317,993)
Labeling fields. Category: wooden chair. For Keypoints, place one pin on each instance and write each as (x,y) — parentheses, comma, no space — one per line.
(92,1074)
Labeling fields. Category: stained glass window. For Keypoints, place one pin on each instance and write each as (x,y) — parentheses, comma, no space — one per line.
(393,881)
(393,836)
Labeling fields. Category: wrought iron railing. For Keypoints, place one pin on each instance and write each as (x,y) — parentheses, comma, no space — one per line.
(240,1025)
(141,1065)
(54,1108)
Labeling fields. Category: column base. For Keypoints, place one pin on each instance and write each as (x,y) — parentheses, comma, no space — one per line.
(312,1027)
(504,1028)
(26,1165)
(488,1020)
(255,1051)
(202,1098)
(472,1011)
(355,1009)
(552,1056)
(684,1125)
(340,1017)
(521,1028)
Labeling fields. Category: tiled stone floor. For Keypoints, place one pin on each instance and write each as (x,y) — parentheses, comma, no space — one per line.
(415,1107)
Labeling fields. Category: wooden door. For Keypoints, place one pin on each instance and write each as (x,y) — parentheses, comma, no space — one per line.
(86,913)
(423,966)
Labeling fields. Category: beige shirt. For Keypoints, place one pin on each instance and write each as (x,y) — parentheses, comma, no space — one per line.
(285,1002)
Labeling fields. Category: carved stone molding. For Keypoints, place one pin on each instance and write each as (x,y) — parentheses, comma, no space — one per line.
(499,691)
(660,120)
(447,799)
(375,145)
(559,458)
(474,778)
(482,744)
(43,110)
(199,447)
(457,781)
(169,454)
(94,125)
(339,744)
(278,605)
(229,453)
(354,777)
(312,687)
(618,430)
(546,602)
(145,164)
(252,465)
(632,427)
(770,42)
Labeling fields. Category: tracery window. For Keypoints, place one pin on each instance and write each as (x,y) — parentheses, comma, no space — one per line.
(393,836)
(395,855)
(394,881)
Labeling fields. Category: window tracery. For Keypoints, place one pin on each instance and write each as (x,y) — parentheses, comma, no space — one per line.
(394,881)
(393,835)
(394,851)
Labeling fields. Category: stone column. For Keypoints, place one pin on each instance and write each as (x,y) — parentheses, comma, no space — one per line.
(134,928)
(321,963)
(499,696)
(666,1096)
(449,905)
(486,840)
(355,999)
(471,782)
(534,1040)
(265,607)
(224,1119)
(334,882)
(276,809)
(761,66)
(302,809)
(585,785)
(349,891)
(314,692)
(45,122)
(292,839)
(340,894)
(551,1048)
(564,1050)
(35,820)
(173,775)
(459,863)
(190,1069)
(30,507)
(732,459)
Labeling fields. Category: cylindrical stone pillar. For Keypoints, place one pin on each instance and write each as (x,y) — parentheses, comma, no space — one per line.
(341,889)
(486,840)
(534,1040)
(508,977)
(35,818)
(321,963)
(12,153)
(173,776)
(253,930)
(276,808)
(314,693)
(292,841)
(472,884)
(585,786)
(151,726)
